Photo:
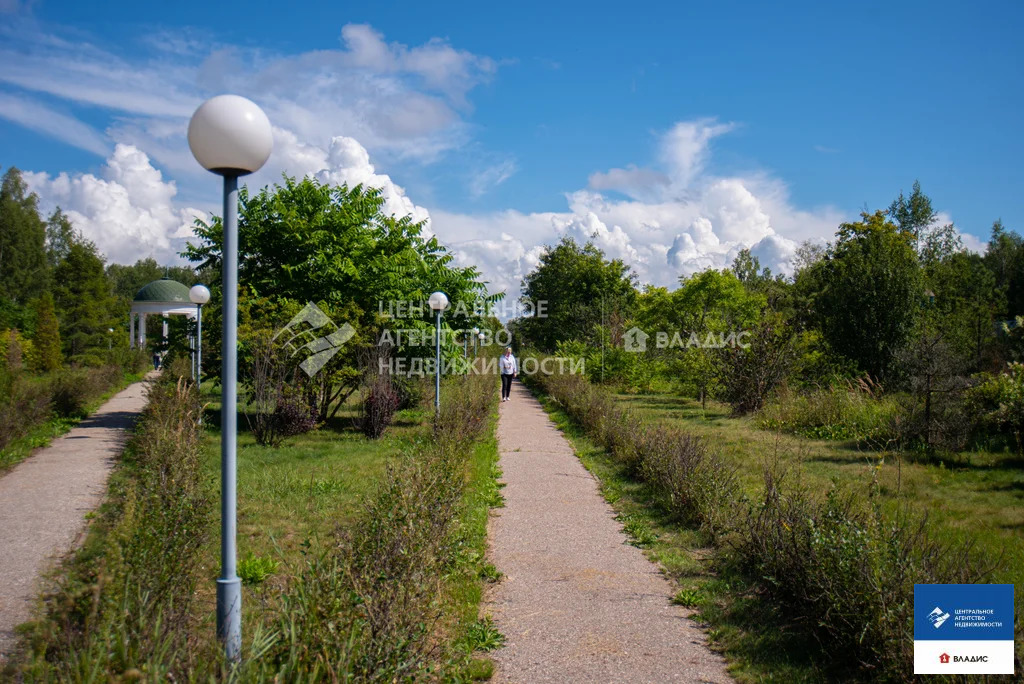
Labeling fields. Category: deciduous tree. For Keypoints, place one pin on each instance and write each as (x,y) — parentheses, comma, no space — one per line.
(867,292)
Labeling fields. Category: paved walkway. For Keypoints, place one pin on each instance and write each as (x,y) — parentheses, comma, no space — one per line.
(577,603)
(44,500)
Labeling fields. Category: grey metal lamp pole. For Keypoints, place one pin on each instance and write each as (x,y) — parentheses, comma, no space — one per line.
(438,302)
(476,334)
(230,136)
(199,295)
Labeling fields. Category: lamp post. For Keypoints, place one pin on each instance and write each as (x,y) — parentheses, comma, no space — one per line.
(480,339)
(110,339)
(438,302)
(230,136)
(199,295)
(476,332)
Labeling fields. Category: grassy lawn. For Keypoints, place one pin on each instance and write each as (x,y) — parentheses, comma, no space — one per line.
(976,496)
(292,497)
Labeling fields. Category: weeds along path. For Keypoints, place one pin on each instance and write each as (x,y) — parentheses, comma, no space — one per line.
(45,498)
(577,603)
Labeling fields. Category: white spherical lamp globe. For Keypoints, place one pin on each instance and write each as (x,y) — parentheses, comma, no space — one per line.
(438,301)
(230,135)
(199,294)
(476,331)
(481,336)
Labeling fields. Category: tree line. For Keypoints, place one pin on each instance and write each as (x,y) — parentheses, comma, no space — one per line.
(894,299)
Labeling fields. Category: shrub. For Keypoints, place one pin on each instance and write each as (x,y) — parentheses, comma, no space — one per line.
(751,375)
(411,391)
(999,400)
(72,390)
(463,418)
(292,415)
(24,404)
(846,572)
(277,409)
(379,405)
(691,483)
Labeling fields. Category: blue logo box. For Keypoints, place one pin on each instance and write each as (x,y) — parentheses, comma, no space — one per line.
(963,612)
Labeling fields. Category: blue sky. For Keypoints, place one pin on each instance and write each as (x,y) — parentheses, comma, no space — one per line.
(674,133)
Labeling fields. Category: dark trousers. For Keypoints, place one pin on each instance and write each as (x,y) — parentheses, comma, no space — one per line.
(506,384)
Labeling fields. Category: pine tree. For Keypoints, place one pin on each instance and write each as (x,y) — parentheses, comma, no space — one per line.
(23,268)
(47,339)
(84,303)
(60,235)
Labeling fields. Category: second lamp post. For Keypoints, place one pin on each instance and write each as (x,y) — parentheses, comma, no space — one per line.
(438,302)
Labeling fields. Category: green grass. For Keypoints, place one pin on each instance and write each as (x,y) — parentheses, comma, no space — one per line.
(20,448)
(482,635)
(255,569)
(292,497)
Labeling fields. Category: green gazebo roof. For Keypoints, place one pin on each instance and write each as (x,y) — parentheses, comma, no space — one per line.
(164,290)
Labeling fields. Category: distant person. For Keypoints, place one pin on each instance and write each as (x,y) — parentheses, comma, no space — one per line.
(156,360)
(509,369)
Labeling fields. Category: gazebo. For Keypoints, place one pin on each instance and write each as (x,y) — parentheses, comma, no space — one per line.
(165,297)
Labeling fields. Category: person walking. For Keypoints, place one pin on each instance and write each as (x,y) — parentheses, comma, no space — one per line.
(509,369)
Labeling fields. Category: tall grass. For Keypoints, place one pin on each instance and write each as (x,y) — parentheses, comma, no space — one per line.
(853,411)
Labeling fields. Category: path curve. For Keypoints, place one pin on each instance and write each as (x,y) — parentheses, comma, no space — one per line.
(44,500)
(577,603)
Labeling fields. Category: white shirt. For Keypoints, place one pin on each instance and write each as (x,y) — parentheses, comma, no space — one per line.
(508,365)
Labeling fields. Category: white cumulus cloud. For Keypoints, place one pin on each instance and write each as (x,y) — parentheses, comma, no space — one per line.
(128,210)
(676,218)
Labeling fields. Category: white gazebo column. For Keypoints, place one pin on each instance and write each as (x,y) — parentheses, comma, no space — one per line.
(165,331)
(142,330)
(131,330)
